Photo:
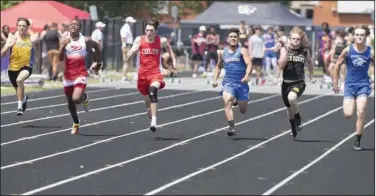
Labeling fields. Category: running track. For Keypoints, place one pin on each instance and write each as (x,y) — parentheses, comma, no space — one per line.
(189,154)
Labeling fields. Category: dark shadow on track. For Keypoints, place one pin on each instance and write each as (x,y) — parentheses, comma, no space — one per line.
(313,141)
(368,149)
(40,126)
(249,138)
(166,139)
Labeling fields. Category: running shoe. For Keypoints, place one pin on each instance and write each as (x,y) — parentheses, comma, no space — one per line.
(19,112)
(24,105)
(75,128)
(86,103)
(153,128)
(231,131)
(357,146)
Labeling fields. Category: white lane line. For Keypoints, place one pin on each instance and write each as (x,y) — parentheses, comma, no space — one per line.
(166,186)
(120,118)
(154,152)
(56,96)
(132,133)
(98,109)
(292,176)
(65,104)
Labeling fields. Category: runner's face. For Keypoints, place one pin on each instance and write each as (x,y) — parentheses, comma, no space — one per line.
(360,36)
(22,27)
(74,26)
(295,39)
(232,39)
(150,31)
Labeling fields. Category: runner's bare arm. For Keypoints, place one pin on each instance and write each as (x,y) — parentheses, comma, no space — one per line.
(217,69)
(248,62)
(63,44)
(371,68)
(338,63)
(165,44)
(283,58)
(310,64)
(373,57)
(11,40)
(135,47)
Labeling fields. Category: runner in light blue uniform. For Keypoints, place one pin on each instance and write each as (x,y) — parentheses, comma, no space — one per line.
(235,69)
(238,67)
(357,84)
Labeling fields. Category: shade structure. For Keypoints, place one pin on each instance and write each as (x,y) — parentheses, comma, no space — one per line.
(41,13)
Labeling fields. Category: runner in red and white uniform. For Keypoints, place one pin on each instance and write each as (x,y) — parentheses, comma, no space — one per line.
(73,50)
(150,76)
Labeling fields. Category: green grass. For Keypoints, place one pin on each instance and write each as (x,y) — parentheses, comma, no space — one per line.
(48,85)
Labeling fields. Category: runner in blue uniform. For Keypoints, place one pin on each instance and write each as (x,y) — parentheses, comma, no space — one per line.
(238,67)
(357,84)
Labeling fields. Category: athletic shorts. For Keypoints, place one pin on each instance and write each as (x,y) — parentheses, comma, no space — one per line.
(240,91)
(211,55)
(257,62)
(144,82)
(352,91)
(70,85)
(298,87)
(14,74)
(197,57)
(270,54)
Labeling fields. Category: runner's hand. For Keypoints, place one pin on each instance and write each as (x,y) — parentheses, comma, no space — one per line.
(65,41)
(215,84)
(11,41)
(336,88)
(174,70)
(245,79)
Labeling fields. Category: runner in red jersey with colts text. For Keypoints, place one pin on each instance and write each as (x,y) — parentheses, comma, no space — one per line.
(74,50)
(150,76)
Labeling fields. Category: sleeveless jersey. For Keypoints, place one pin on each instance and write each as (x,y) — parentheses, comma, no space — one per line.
(75,60)
(234,65)
(21,54)
(296,59)
(357,65)
(339,48)
(150,56)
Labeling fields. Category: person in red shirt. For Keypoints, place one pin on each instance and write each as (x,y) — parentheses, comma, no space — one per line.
(212,42)
(150,76)
(73,49)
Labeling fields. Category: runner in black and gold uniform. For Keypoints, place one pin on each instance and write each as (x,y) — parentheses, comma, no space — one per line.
(21,60)
(292,60)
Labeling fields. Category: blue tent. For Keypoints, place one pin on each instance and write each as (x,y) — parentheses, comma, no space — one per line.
(229,13)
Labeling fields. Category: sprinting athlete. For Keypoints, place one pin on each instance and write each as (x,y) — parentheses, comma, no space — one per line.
(339,44)
(150,78)
(73,50)
(21,59)
(238,67)
(358,58)
(292,60)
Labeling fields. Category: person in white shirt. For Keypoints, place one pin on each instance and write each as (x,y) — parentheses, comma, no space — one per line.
(126,43)
(97,36)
